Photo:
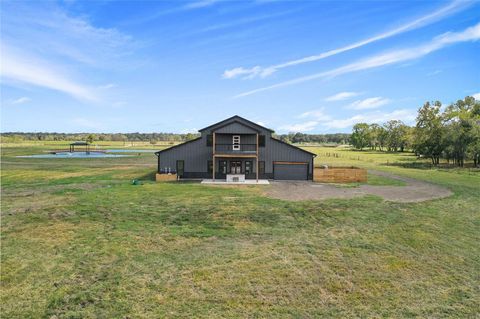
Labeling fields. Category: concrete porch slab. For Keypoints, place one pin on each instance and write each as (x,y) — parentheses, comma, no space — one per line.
(246,182)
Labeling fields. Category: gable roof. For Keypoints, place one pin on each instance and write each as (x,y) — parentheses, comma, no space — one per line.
(238,119)
(296,147)
(175,146)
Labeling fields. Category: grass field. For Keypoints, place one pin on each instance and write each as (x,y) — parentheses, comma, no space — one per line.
(79,241)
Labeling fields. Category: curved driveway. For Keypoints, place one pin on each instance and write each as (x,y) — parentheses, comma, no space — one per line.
(414,191)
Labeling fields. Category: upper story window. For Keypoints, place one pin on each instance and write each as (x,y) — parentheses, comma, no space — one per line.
(236,142)
(209,140)
(261,140)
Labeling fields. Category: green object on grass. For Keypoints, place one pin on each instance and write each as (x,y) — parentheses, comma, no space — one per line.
(136,182)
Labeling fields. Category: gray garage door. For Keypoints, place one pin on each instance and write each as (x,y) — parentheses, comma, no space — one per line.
(290,171)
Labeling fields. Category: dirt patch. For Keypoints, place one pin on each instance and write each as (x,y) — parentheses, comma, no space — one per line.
(414,191)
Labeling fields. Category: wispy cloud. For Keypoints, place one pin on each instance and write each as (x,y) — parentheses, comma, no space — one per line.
(323,122)
(397,56)
(370,103)
(21,100)
(433,73)
(318,115)
(476,96)
(18,67)
(200,4)
(44,46)
(341,96)
(405,115)
(301,127)
(249,73)
(107,86)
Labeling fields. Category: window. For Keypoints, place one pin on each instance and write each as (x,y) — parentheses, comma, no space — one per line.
(261,140)
(261,168)
(222,167)
(209,140)
(236,142)
(248,167)
(210,166)
(180,168)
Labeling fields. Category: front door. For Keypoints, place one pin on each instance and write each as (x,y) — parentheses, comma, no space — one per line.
(235,167)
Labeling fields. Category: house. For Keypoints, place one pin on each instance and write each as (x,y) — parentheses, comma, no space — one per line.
(236,149)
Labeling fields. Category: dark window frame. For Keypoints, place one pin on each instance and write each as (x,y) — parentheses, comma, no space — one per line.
(224,166)
(261,140)
(248,171)
(210,140)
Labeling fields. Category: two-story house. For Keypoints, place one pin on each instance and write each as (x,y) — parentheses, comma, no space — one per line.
(236,149)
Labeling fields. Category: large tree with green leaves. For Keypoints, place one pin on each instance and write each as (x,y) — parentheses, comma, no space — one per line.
(463,119)
(360,137)
(430,132)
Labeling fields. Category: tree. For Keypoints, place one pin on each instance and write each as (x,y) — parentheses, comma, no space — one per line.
(90,138)
(463,118)
(360,135)
(396,135)
(430,132)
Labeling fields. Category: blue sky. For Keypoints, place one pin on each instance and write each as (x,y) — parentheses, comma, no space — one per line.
(171,66)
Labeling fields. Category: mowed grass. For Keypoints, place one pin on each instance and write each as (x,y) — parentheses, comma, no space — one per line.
(79,241)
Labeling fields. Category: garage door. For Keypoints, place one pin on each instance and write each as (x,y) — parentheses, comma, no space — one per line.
(290,171)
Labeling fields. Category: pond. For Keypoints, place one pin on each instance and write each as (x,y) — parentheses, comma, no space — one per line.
(74,155)
(130,151)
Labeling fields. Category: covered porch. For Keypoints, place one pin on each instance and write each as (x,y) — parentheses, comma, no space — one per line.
(235,168)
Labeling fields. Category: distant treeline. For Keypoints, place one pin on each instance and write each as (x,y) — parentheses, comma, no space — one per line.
(130,137)
(451,133)
(337,138)
(340,138)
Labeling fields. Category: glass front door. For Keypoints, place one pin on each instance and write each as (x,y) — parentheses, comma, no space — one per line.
(235,167)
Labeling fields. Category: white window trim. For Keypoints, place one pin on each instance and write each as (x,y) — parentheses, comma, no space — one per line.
(236,142)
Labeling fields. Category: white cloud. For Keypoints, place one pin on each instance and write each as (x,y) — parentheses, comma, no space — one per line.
(107,86)
(189,130)
(233,73)
(434,72)
(21,100)
(200,4)
(370,103)
(420,22)
(44,46)
(477,96)
(300,127)
(318,115)
(18,67)
(402,55)
(341,96)
(405,115)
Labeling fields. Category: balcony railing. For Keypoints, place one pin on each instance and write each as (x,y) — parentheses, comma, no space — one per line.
(238,148)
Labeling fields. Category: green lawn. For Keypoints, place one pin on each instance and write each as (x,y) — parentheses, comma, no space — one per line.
(79,241)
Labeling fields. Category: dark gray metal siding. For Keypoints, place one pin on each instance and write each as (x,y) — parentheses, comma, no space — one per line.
(290,171)
(236,128)
(195,154)
(275,151)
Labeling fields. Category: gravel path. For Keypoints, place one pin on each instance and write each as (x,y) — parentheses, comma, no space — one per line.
(414,191)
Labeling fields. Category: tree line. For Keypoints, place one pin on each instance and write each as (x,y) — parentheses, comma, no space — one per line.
(451,133)
(339,138)
(300,138)
(124,137)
